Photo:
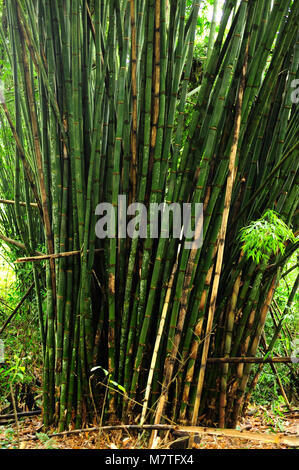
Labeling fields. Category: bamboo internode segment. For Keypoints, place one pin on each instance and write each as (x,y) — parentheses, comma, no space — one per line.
(248,360)
(53,256)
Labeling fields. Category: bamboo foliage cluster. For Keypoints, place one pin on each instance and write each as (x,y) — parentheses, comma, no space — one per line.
(100,94)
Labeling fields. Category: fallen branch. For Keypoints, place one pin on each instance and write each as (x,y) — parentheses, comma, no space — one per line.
(7,422)
(292,441)
(248,360)
(129,427)
(20,414)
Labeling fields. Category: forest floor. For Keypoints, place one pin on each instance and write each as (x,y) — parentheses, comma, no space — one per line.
(259,419)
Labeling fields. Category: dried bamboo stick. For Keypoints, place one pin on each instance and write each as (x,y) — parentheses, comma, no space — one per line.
(292,441)
(53,256)
(16,243)
(8,201)
(248,360)
(20,414)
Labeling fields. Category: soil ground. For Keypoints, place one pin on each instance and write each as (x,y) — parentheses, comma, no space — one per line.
(259,419)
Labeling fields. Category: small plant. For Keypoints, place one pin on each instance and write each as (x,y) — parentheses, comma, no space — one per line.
(9,437)
(275,418)
(265,236)
(108,386)
(15,371)
(46,440)
(109,381)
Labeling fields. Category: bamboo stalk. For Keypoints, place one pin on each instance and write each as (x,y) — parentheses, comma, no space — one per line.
(253,349)
(157,343)
(37,147)
(219,259)
(26,165)
(101,110)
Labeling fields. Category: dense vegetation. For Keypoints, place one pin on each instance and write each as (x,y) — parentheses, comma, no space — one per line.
(148,99)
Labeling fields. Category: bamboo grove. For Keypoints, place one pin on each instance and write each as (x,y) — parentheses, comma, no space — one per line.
(100,93)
